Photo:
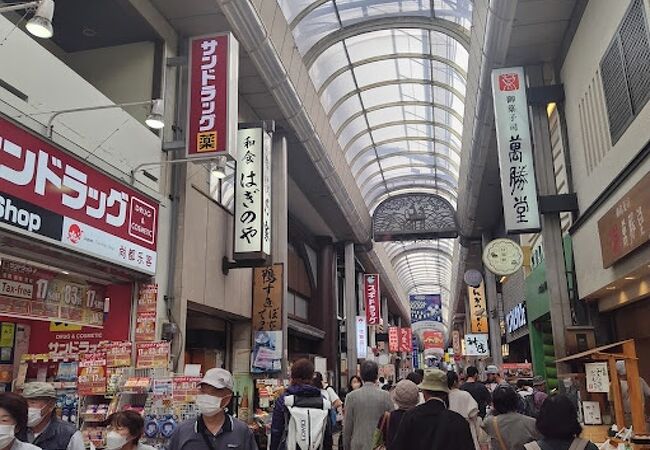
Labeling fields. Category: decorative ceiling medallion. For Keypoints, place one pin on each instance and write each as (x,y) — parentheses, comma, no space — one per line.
(503,256)
(410,217)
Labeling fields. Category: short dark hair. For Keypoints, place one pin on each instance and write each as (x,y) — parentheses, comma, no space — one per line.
(558,418)
(522,383)
(16,406)
(369,371)
(354,377)
(414,377)
(318,380)
(505,399)
(128,419)
(472,371)
(452,378)
(302,371)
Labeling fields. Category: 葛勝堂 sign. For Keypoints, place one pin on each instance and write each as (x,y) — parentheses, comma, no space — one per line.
(624,228)
(253,195)
(476,345)
(393,339)
(477,309)
(268,286)
(405,340)
(47,194)
(372,298)
(362,337)
(518,188)
(212,95)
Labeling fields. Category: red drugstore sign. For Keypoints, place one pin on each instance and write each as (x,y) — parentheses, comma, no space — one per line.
(212,105)
(47,193)
(372,298)
(406,340)
(393,339)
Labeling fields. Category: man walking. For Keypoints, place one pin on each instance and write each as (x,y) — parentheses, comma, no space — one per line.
(363,409)
(477,389)
(431,426)
(213,429)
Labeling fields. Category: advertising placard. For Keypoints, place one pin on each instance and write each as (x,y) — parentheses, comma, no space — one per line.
(393,339)
(372,298)
(147,297)
(362,337)
(478,315)
(145,327)
(518,188)
(185,389)
(406,340)
(152,355)
(268,287)
(212,95)
(426,312)
(433,340)
(118,354)
(266,356)
(92,374)
(51,195)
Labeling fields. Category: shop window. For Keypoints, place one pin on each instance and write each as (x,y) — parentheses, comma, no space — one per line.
(625,70)
(297,306)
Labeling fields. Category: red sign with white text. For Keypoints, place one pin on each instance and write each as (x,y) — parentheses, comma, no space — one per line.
(372,298)
(393,339)
(47,193)
(433,339)
(509,82)
(210,95)
(406,340)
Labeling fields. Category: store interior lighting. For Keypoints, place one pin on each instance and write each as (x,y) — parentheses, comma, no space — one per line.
(40,25)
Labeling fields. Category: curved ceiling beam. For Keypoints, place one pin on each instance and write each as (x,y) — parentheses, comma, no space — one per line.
(413,155)
(384,83)
(388,56)
(404,139)
(451,29)
(382,173)
(420,187)
(398,247)
(411,178)
(396,123)
(381,106)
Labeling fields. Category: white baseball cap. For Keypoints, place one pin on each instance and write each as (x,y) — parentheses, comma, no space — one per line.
(218,378)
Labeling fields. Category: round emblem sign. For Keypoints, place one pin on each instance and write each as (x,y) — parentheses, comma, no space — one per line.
(473,278)
(503,257)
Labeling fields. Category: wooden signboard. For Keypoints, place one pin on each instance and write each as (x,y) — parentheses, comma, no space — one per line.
(626,226)
(267,298)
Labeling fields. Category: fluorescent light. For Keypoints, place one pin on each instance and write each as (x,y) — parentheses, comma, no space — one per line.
(41,24)
(155,118)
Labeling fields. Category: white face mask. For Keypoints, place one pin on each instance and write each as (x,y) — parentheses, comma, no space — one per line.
(34,417)
(115,440)
(209,405)
(7,435)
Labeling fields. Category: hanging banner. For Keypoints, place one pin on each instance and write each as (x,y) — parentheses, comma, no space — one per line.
(518,188)
(406,340)
(426,312)
(455,342)
(152,355)
(47,194)
(393,339)
(476,345)
(212,112)
(253,195)
(433,341)
(478,314)
(372,298)
(362,337)
(268,287)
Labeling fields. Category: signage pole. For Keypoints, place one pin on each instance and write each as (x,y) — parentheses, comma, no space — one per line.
(350,309)
(493,312)
(551,226)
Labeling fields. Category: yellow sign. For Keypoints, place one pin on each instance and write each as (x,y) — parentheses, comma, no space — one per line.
(62,326)
(478,313)
(7,334)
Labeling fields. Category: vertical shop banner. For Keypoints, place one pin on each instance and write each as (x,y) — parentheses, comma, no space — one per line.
(92,374)
(393,339)
(455,342)
(518,188)
(372,298)
(478,315)
(212,95)
(268,289)
(253,195)
(434,341)
(406,340)
(152,355)
(476,345)
(362,337)
(45,193)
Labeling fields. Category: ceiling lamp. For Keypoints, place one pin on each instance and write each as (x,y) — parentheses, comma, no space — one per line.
(219,167)
(41,24)
(155,118)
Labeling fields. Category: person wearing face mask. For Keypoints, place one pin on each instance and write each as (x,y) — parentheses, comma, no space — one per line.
(124,430)
(213,429)
(46,430)
(13,422)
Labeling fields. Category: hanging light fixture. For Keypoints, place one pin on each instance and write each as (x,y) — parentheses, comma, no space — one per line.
(40,25)
(218,169)
(155,118)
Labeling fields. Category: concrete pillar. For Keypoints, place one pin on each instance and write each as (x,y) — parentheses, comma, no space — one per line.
(551,226)
(492,301)
(327,302)
(280,227)
(350,309)
(384,313)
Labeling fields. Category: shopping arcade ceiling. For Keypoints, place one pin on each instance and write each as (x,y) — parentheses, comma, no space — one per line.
(391,75)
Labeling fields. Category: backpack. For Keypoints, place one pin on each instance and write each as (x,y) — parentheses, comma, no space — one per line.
(306,422)
(528,407)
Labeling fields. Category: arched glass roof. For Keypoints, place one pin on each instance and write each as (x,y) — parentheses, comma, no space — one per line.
(391,76)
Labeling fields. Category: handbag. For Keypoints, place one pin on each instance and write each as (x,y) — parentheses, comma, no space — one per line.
(502,443)
(378,442)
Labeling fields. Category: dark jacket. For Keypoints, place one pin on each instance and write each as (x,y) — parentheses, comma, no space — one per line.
(480,394)
(389,432)
(56,436)
(278,419)
(431,426)
(234,434)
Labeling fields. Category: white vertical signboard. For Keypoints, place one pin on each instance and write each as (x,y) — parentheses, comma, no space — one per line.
(518,187)
(253,195)
(362,337)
